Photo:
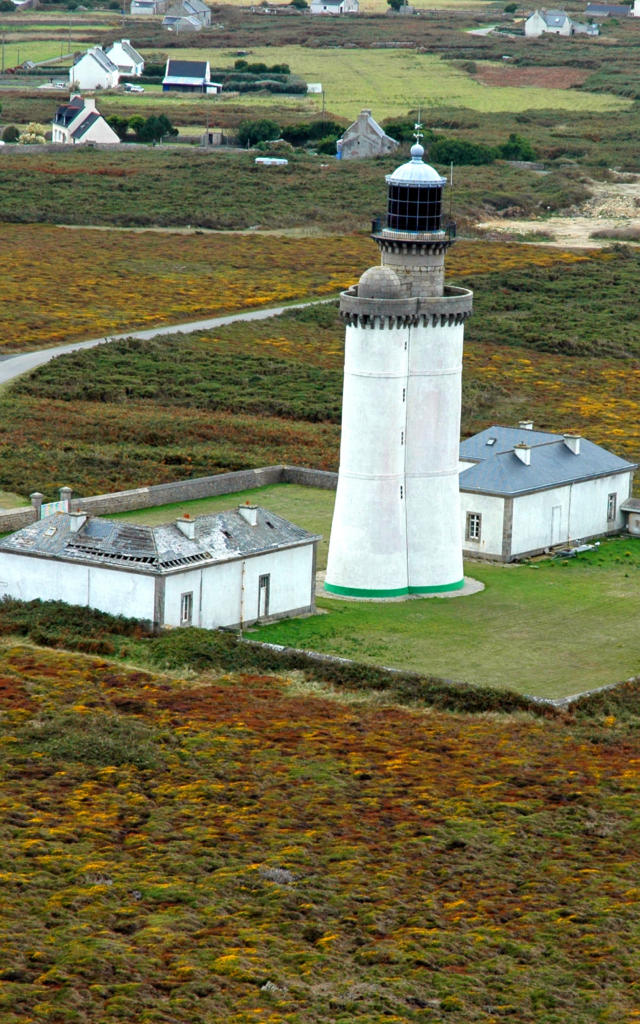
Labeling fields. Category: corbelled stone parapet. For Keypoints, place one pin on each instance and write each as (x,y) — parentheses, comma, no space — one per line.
(453,307)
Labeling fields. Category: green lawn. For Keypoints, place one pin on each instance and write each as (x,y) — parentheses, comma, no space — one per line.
(391,82)
(549,629)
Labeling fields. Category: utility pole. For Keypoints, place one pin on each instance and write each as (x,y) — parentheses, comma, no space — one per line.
(3,52)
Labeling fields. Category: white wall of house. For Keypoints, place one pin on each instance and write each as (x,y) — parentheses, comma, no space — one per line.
(491,510)
(229,593)
(109,590)
(100,132)
(223,594)
(89,74)
(122,59)
(559,515)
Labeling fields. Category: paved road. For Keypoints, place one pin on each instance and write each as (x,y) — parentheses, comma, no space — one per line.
(14,366)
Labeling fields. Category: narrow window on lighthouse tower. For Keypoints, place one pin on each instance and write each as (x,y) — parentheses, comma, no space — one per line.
(402,437)
(404,394)
(401,492)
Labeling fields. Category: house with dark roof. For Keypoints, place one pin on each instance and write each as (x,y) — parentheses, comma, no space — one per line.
(554,22)
(125,57)
(195,12)
(228,569)
(94,70)
(187,76)
(609,10)
(78,121)
(524,491)
(363,138)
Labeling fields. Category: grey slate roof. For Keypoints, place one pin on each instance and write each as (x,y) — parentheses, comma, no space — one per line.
(196,69)
(554,19)
(100,57)
(156,549)
(620,10)
(499,471)
(68,112)
(84,127)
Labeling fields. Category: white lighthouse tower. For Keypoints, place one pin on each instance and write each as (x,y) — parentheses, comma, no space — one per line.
(396,525)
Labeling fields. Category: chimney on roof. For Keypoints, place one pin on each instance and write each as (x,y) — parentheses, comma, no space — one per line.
(526,424)
(572,442)
(187,526)
(249,513)
(77,521)
(522,451)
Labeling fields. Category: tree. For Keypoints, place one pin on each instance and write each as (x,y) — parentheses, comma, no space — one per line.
(120,126)
(517,148)
(251,132)
(301,5)
(136,124)
(395,5)
(10,134)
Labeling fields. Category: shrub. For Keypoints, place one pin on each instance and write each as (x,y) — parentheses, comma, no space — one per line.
(10,134)
(251,132)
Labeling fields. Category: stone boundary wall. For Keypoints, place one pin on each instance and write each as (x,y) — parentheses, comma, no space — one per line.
(180,490)
(203,487)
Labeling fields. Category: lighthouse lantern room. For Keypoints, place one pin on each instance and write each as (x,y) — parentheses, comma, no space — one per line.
(396,523)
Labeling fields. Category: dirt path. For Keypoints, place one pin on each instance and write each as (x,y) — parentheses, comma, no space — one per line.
(613,205)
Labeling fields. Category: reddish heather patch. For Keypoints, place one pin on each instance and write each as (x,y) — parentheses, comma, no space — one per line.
(13,693)
(544,78)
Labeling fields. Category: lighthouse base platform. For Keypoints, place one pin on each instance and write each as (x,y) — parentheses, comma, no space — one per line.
(467,587)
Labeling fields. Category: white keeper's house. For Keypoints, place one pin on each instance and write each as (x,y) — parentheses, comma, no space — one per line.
(523,491)
(229,569)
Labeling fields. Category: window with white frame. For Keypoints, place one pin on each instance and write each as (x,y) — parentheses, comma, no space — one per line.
(186,608)
(611,507)
(474,525)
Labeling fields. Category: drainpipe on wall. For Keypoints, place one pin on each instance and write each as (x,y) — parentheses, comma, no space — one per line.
(244,565)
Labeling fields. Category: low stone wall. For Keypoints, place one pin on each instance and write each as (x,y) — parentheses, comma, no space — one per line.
(200,487)
(181,490)
(15,518)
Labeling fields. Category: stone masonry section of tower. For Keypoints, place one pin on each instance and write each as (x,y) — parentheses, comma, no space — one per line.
(396,525)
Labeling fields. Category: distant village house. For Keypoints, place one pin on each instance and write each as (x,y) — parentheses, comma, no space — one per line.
(78,121)
(94,70)
(334,7)
(185,14)
(188,76)
(364,138)
(126,58)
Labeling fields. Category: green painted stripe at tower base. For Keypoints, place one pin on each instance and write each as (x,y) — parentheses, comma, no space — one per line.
(401,592)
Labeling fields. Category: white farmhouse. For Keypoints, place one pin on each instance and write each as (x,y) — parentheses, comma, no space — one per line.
(555,22)
(334,7)
(229,569)
(94,70)
(363,138)
(523,491)
(125,57)
(187,76)
(78,122)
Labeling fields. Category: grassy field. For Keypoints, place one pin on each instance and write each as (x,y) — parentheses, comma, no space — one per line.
(254,394)
(515,634)
(392,82)
(236,847)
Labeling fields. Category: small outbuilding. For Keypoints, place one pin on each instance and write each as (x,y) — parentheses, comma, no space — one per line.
(631,510)
(230,569)
(524,491)
(364,138)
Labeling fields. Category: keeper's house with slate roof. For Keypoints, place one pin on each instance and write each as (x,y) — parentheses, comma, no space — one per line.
(125,57)
(78,121)
(229,569)
(523,491)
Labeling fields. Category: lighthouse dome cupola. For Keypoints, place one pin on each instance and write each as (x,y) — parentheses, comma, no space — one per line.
(414,195)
